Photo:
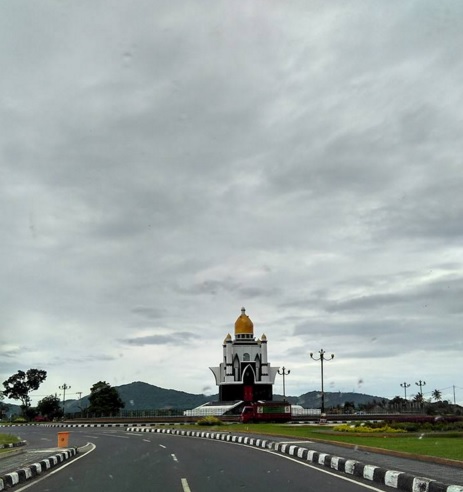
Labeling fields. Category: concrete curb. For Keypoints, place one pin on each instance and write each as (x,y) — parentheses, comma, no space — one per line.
(121,424)
(23,474)
(390,478)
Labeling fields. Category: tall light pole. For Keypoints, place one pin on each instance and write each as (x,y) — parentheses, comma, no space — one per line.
(322,359)
(283,373)
(64,388)
(405,386)
(421,384)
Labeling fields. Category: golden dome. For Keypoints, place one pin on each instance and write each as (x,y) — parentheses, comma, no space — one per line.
(244,325)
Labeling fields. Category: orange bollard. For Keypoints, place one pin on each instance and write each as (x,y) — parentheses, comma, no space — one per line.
(63,439)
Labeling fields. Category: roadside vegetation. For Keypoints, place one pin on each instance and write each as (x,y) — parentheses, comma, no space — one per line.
(209,420)
(7,439)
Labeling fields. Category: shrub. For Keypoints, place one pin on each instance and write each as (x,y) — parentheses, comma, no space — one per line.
(438,424)
(366,429)
(209,420)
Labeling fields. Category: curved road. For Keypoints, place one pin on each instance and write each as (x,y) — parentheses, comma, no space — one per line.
(123,461)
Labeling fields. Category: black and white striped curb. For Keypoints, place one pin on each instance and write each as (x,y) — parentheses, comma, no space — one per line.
(23,474)
(390,478)
(131,424)
(13,445)
(75,425)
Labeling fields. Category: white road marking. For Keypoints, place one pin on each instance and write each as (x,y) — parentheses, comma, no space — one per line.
(49,474)
(162,446)
(146,440)
(186,487)
(174,458)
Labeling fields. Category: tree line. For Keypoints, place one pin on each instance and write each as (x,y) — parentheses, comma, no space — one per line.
(103,399)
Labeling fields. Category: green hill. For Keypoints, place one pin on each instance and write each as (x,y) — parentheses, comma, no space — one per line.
(144,396)
(312,399)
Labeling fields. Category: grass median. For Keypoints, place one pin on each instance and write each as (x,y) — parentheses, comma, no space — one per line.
(448,445)
(7,439)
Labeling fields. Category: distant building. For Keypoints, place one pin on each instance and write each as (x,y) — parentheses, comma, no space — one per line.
(245,373)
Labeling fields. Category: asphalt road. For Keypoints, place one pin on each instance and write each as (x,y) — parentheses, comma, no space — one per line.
(121,461)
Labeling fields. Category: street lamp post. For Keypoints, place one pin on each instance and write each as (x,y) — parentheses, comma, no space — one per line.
(421,384)
(64,388)
(322,358)
(284,372)
(405,386)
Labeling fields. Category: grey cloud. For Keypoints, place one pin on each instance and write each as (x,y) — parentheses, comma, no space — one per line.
(217,287)
(80,359)
(148,312)
(308,169)
(438,296)
(178,338)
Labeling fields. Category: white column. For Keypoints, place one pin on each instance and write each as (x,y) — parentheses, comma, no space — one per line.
(228,360)
(264,358)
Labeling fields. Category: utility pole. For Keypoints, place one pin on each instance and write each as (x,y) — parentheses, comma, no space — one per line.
(322,359)
(283,373)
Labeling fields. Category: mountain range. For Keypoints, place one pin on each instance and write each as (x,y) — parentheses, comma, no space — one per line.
(143,396)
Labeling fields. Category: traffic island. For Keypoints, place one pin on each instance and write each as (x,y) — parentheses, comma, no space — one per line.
(21,475)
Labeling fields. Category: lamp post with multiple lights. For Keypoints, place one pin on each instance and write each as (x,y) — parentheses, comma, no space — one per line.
(322,359)
(284,372)
(421,384)
(405,386)
(64,388)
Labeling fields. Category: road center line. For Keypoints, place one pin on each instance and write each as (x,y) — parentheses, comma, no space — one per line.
(186,487)
(146,440)
(174,458)
(162,446)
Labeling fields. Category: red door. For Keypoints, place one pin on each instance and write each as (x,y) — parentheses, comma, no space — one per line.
(248,393)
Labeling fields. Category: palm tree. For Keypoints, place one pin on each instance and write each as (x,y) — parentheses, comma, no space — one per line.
(437,395)
(418,398)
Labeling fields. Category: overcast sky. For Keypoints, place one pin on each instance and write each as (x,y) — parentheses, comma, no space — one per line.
(163,164)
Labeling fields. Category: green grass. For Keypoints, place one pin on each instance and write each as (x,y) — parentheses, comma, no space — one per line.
(8,439)
(440,444)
